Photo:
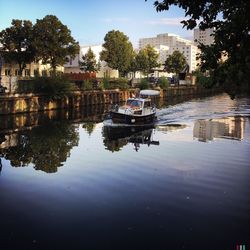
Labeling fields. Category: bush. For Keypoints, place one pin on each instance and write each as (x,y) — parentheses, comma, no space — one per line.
(163,82)
(105,84)
(87,85)
(204,81)
(121,83)
(144,84)
(55,87)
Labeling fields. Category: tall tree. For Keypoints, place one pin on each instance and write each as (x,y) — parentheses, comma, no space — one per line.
(175,63)
(53,41)
(118,51)
(147,59)
(231,35)
(17,43)
(89,63)
(133,67)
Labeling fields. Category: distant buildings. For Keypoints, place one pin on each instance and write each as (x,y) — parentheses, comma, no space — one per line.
(166,44)
(203,36)
(10,73)
(73,65)
(170,40)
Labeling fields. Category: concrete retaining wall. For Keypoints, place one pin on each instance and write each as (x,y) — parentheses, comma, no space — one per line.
(19,103)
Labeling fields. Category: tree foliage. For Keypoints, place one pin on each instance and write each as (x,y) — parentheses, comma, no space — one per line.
(89,63)
(231,21)
(53,41)
(17,43)
(118,51)
(175,62)
(147,59)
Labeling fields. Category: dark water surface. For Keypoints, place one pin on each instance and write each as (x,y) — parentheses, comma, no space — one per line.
(69,182)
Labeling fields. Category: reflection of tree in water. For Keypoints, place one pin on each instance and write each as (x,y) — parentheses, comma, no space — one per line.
(114,145)
(89,127)
(46,147)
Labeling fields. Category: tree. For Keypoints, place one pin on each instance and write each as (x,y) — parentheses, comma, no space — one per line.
(17,43)
(118,51)
(88,63)
(53,42)
(147,59)
(231,35)
(175,62)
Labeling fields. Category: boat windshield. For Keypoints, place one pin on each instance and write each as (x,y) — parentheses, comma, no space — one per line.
(134,103)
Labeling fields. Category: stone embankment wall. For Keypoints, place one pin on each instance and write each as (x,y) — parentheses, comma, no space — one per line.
(19,103)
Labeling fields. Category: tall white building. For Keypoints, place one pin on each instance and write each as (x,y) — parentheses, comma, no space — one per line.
(203,36)
(73,65)
(166,44)
(163,39)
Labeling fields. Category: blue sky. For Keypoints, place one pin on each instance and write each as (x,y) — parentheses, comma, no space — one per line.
(89,21)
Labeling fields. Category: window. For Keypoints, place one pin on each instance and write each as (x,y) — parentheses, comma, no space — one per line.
(147,104)
(18,72)
(27,72)
(7,72)
(36,72)
(44,73)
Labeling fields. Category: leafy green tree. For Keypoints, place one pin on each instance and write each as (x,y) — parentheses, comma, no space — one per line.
(53,42)
(147,59)
(153,56)
(133,67)
(231,35)
(17,43)
(141,61)
(118,51)
(89,63)
(175,62)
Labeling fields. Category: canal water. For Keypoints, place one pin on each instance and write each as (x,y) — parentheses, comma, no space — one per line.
(70,181)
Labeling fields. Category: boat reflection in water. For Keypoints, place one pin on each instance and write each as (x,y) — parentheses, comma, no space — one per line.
(116,137)
(226,128)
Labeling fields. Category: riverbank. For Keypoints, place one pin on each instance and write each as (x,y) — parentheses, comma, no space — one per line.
(21,103)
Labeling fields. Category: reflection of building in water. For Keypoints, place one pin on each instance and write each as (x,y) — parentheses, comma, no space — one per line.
(170,127)
(229,128)
(7,141)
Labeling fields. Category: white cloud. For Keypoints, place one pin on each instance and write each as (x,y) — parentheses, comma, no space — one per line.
(174,21)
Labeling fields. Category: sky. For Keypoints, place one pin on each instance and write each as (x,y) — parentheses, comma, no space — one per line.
(89,21)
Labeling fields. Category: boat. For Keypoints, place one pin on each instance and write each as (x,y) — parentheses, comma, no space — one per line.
(137,110)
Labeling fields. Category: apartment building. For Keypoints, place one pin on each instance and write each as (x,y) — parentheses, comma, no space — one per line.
(203,36)
(164,39)
(166,44)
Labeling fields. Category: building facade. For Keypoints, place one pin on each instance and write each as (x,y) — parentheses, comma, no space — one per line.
(203,36)
(73,65)
(166,44)
(10,73)
(164,39)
